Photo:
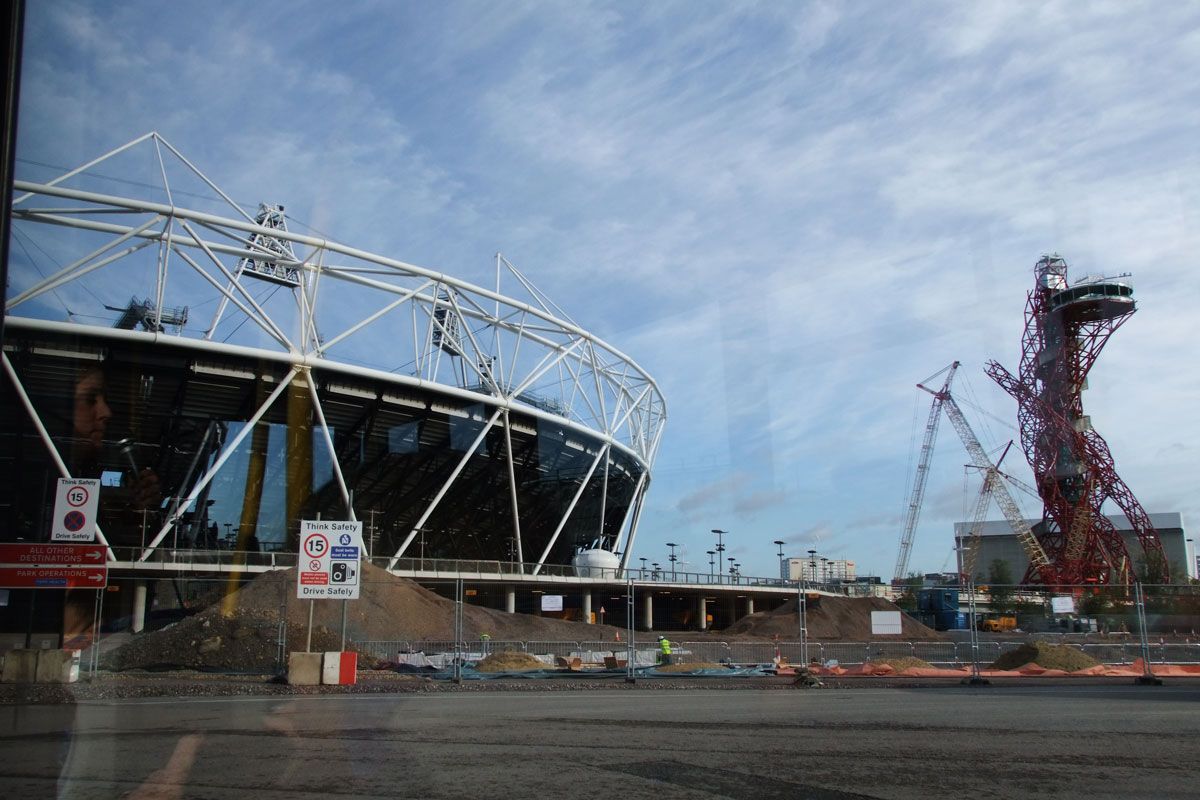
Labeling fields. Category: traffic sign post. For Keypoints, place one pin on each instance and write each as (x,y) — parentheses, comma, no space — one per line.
(75,504)
(328,565)
(330,552)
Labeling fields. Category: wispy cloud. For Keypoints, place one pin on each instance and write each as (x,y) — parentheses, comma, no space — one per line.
(788,214)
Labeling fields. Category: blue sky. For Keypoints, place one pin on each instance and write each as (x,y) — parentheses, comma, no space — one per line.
(787,213)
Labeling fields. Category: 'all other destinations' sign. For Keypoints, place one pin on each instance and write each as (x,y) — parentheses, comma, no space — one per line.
(328,563)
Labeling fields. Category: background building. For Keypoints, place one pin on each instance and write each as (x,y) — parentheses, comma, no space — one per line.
(821,570)
(997,541)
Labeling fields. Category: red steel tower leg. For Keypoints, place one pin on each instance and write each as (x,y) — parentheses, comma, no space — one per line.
(1066,327)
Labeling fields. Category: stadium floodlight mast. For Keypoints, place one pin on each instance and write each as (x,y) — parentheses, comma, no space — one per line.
(504,351)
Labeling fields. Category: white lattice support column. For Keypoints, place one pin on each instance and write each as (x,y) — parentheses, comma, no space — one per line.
(631,516)
(220,462)
(333,459)
(445,488)
(512,490)
(566,516)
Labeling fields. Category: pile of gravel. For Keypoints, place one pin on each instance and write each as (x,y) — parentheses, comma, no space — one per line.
(509,661)
(1047,656)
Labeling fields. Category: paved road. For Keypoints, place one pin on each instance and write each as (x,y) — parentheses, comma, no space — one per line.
(1094,742)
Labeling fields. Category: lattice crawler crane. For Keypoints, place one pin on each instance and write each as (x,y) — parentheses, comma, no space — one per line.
(994,486)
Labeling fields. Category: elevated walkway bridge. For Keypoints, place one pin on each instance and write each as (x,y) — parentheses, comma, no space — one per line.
(663,600)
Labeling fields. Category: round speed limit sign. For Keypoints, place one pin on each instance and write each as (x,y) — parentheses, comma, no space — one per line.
(316,545)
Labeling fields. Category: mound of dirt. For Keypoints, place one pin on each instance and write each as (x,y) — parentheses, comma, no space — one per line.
(241,631)
(832,619)
(509,661)
(1048,656)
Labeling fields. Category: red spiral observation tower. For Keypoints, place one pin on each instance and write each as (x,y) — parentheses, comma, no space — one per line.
(1066,327)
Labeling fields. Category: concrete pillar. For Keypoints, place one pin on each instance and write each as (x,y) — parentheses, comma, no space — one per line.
(647,611)
(702,611)
(587,607)
(510,600)
(749,605)
(139,606)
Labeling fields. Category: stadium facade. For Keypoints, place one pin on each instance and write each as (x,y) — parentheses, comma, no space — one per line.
(225,378)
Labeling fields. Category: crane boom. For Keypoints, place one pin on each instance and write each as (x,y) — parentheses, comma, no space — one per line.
(1008,507)
(922,475)
(970,550)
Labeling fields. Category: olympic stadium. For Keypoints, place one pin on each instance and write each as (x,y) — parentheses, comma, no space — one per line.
(243,376)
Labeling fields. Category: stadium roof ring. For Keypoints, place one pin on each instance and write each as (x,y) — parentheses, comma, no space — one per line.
(487,376)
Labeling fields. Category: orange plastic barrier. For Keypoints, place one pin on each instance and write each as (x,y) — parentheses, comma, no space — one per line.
(1026,671)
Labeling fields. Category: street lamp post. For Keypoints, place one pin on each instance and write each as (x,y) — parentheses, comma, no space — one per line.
(711,571)
(782,571)
(671,558)
(812,565)
(643,575)
(720,546)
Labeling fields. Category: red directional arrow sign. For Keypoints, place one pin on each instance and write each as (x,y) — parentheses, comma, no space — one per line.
(88,555)
(53,566)
(53,577)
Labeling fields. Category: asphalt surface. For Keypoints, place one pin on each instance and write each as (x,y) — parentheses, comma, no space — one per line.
(824,744)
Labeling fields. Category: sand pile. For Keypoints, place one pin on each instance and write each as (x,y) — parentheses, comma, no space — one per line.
(241,631)
(1048,656)
(834,618)
(509,661)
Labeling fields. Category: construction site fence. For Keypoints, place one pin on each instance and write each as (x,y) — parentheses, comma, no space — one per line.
(750,653)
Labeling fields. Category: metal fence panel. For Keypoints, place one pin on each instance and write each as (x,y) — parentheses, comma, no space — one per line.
(843,652)
(1114,653)
(1178,653)
(751,652)
(563,649)
(712,652)
(434,646)
(888,649)
(936,652)
(794,651)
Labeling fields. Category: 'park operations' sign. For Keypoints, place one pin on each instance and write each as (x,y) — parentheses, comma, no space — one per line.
(328,562)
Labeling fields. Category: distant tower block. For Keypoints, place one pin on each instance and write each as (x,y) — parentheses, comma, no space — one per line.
(1066,327)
